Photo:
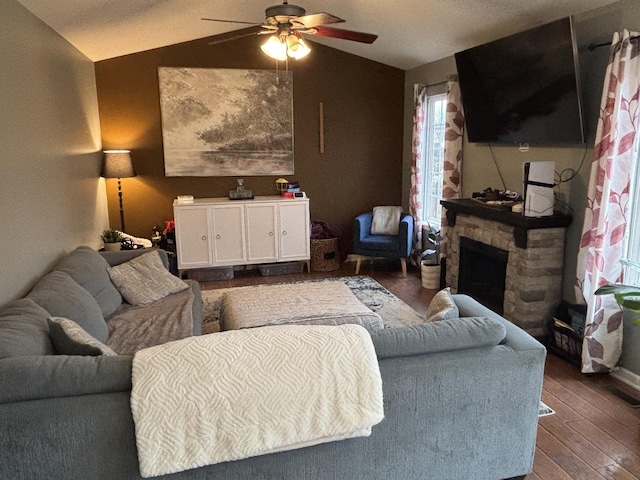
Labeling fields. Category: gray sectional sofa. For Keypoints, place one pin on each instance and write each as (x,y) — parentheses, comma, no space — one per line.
(460,398)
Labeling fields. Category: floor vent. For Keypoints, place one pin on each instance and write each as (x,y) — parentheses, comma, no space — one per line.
(631,400)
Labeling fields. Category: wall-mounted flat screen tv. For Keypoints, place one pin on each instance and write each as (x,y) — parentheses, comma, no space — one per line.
(523,88)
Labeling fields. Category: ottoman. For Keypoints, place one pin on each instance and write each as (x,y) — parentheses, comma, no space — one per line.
(309,303)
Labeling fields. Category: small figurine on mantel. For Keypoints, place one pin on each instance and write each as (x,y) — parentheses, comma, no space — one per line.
(240,193)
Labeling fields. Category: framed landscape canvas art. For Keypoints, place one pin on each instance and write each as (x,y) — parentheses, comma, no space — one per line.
(226,122)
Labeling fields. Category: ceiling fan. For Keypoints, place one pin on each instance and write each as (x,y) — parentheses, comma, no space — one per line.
(285,23)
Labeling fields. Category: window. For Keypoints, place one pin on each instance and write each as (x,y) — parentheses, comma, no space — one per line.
(434,157)
(632,276)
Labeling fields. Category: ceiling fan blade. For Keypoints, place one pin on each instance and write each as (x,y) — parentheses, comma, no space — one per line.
(243,32)
(228,21)
(315,19)
(344,34)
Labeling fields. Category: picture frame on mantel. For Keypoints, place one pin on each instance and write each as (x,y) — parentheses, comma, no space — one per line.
(226,122)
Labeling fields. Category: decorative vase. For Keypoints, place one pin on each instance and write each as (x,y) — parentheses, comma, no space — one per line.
(430,275)
(112,247)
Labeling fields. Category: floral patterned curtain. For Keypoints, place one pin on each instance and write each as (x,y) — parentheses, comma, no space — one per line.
(603,241)
(417,156)
(452,168)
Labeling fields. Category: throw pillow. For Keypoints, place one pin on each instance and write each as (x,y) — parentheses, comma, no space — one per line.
(70,339)
(62,296)
(442,307)
(386,220)
(145,279)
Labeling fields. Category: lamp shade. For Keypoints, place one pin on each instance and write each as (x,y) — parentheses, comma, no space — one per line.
(117,164)
(275,48)
(299,50)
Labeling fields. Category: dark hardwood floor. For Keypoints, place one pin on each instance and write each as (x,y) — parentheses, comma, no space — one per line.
(594,433)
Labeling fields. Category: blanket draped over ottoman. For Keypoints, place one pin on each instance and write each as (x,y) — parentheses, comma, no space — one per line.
(309,303)
(236,394)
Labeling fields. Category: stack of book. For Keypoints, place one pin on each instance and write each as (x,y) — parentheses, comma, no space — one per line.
(293,186)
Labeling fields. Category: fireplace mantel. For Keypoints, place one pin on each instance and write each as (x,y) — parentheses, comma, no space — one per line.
(519,222)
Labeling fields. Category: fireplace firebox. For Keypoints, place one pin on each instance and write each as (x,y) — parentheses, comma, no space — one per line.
(482,273)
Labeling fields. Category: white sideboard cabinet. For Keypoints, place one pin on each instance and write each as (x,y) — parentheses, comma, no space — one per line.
(216,232)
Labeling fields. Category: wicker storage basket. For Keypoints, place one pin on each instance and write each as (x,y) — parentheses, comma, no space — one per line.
(430,275)
(325,256)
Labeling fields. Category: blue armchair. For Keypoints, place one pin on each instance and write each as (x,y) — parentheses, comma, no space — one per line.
(389,246)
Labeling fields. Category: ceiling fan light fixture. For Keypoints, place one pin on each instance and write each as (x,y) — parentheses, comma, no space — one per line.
(275,48)
(297,47)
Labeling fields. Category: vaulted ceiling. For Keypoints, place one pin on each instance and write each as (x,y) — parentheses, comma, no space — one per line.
(411,32)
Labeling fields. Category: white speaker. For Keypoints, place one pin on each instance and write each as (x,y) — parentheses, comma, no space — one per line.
(538,189)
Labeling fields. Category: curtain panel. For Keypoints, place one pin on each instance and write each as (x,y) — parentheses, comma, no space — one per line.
(452,166)
(418,140)
(603,241)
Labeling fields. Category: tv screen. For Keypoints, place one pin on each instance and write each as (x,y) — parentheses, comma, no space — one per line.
(523,88)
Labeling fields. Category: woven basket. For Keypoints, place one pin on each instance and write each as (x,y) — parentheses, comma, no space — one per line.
(325,256)
(430,275)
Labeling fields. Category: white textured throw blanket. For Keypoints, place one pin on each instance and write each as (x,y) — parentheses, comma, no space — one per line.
(236,394)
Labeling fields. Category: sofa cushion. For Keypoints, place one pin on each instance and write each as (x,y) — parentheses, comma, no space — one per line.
(61,296)
(437,337)
(90,270)
(145,279)
(24,330)
(51,377)
(442,307)
(381,243)
(70,339)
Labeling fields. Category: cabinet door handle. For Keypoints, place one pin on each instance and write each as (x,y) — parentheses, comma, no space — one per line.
(271,234)
(218,236)
(284,232)
(204,237)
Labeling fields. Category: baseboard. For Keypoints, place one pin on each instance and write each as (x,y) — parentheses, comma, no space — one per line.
(627,377)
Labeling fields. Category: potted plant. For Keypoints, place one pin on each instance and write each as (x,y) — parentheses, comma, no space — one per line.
(430,257)
(627,296)
(111,239)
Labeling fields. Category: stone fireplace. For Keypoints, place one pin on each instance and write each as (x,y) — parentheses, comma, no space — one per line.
(528,252)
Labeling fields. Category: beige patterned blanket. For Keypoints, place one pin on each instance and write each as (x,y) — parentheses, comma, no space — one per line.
(236,394)
(309,303)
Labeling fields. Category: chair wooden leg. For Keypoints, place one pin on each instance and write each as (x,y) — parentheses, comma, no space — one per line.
(403,262)
(358,264)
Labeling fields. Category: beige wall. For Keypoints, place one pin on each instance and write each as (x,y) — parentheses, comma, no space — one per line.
(480,171)
(51,197)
